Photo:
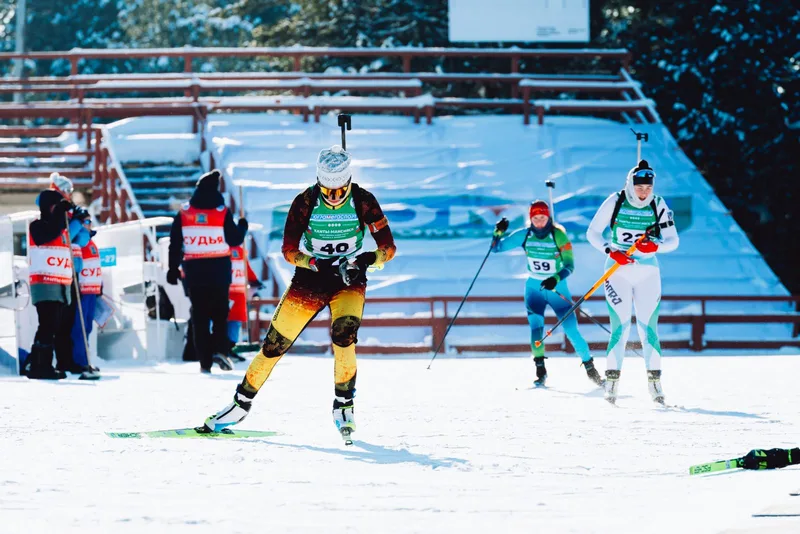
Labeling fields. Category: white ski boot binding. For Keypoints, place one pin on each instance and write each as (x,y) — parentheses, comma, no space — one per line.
(233,413)
(612,381)
(654,385)
(345,422)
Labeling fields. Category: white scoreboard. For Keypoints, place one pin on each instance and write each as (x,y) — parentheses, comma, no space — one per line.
(542,21)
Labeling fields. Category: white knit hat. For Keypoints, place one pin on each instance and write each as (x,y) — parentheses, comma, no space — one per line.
(61,184)
(333,167)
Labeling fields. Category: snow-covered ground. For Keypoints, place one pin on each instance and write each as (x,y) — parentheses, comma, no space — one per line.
(463,447)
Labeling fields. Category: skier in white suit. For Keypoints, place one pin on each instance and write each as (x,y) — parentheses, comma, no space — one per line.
(630,213)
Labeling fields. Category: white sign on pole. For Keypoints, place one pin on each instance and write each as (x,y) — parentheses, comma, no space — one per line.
(536,21)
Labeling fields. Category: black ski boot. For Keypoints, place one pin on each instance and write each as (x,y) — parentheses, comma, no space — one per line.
(592,373)
(41,359)
(224,363)
(233,356)
(541,372)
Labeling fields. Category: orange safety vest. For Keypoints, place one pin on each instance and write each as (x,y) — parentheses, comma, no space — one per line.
(91,278)
(50,263)
(236,294)
(204,233)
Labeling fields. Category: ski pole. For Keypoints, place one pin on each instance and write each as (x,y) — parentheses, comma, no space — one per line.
(640,136)
(244,253)
(550,186)
(453,320)
(80,306)
(584,313)
(611,270)
(590,317)
(345,120)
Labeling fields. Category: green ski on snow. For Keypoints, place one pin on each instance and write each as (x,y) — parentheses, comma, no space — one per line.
(197,432)
(714,467)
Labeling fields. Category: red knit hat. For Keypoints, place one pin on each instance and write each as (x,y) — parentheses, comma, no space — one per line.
(539,207)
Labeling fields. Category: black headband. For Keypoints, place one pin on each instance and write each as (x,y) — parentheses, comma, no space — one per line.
(644,177)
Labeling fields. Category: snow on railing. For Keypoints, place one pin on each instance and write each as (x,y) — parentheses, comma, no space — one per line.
(118,201)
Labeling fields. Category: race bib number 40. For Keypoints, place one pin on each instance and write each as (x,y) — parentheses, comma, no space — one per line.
(542,267)
(334,248)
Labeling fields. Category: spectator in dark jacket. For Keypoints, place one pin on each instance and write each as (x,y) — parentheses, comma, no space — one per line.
(200,240)
(50,271)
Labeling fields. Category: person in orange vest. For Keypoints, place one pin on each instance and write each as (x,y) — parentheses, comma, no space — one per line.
(200,239)
(90,284)
(50,273)
(241,275)
(63,342)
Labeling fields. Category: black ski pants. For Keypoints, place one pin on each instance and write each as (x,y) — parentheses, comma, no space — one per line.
(63,337)
(209,321)
(50,314)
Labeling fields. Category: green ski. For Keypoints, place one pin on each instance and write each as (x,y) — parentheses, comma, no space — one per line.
(715,467)
(197,432)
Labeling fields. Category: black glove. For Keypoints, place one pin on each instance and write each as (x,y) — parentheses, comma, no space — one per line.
(549,283)
(357,270)
(80,213)
(61,208)
(243,225)
(173,275)
(323,265)
(771,459)
(351,272)
(501,227)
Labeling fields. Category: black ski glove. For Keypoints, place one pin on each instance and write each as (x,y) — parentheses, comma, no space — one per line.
(60,209)
(500,228)
(173,275)
(355,271)
(322,265)
(771,459)
(549,283)
(80,213)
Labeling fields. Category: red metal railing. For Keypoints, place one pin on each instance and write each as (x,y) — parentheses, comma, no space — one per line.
(297,54)
(438,323)
(191,83)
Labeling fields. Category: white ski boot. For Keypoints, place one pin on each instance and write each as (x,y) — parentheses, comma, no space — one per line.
(612,381)
(654,385)
(345,422)
(233,413)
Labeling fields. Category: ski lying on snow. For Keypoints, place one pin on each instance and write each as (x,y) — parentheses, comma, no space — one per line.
(197,432)
(714,467)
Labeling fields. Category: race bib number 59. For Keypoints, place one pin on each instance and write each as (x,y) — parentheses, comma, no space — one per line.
(538,266)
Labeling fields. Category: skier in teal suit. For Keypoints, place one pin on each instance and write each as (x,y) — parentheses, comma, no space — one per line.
(550,262)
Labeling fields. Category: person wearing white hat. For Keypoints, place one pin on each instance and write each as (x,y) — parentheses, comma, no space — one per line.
(330,218)
(631,213)
(62,184)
